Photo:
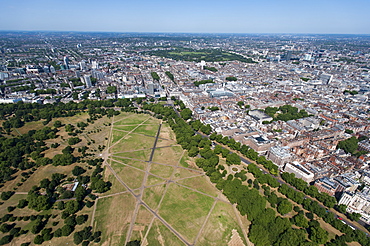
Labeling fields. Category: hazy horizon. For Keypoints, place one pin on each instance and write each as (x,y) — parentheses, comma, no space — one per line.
(232,17)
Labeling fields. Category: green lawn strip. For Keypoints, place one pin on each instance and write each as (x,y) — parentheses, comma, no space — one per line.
(160,235)
(152,195)
(139,155)
(113,216)
(130,176)
(222,221)
(133,119)
(161,170)
(129,162)
(185,210)
(133,142)
(200,183)
(150,130)
(126,128)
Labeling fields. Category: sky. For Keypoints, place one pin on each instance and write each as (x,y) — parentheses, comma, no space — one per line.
(188,16)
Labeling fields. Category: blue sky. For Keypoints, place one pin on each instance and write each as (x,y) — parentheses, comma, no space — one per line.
(198,16)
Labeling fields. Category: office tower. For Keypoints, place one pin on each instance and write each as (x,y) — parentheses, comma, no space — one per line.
(151,88)
(82,65)
(87,81)
(94,65)
(288,55)
(66,62)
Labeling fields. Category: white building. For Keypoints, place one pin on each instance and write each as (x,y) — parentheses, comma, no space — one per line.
(358,202)
(299,171)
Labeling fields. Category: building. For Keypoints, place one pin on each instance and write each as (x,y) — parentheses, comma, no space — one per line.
(326,78)
(258,143)
(87,81)
(259,116)
(94,65)
(327,185)
(279,155)
(299,171)
(358,202)
(66,62)
(151,89)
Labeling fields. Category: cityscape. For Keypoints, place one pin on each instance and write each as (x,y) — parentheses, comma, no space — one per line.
(300,101)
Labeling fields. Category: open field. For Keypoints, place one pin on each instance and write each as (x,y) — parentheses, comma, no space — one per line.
(154,188)
(154,183)
(176,203)
(113,217)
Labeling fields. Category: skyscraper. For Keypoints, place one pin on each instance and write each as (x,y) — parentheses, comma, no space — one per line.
(87,81)
(66,62)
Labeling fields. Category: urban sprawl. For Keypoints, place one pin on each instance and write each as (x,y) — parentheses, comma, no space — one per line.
(302,101)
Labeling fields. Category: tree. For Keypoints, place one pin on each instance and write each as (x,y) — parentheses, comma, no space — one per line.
(81,219)
(77,238)
(71,207)
(186,114)
(77,171)
(58,124)
(240,104)
(134,243)
(300,220)
(193,151)
(111,90)
(233,159)
(6,195)
(67,230)
(70,220)
(284,207)
(317,234)
(74,140)
(22,203)
(63,159)
(231,78)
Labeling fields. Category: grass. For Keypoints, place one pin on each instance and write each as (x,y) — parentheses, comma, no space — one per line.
(161,170)
(180,201)
(170,155)
(113,216)
(160,235)
(150,130)
(132,177)
(140,154)
(132,119)
(133,142)
(222,221)
(143,219)
(153,195)
(129,162)
(126,128)
(201,184)
(152,180)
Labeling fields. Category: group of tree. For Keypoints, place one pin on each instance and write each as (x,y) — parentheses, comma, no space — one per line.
(285,113)
(170,76)
(212,69)
(194,55)
(202,82)
(155,76)
(350,145)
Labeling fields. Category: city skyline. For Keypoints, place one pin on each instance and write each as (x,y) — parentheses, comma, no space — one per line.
(319,17)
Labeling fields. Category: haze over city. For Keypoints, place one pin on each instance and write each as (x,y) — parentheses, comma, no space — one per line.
(268,16)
